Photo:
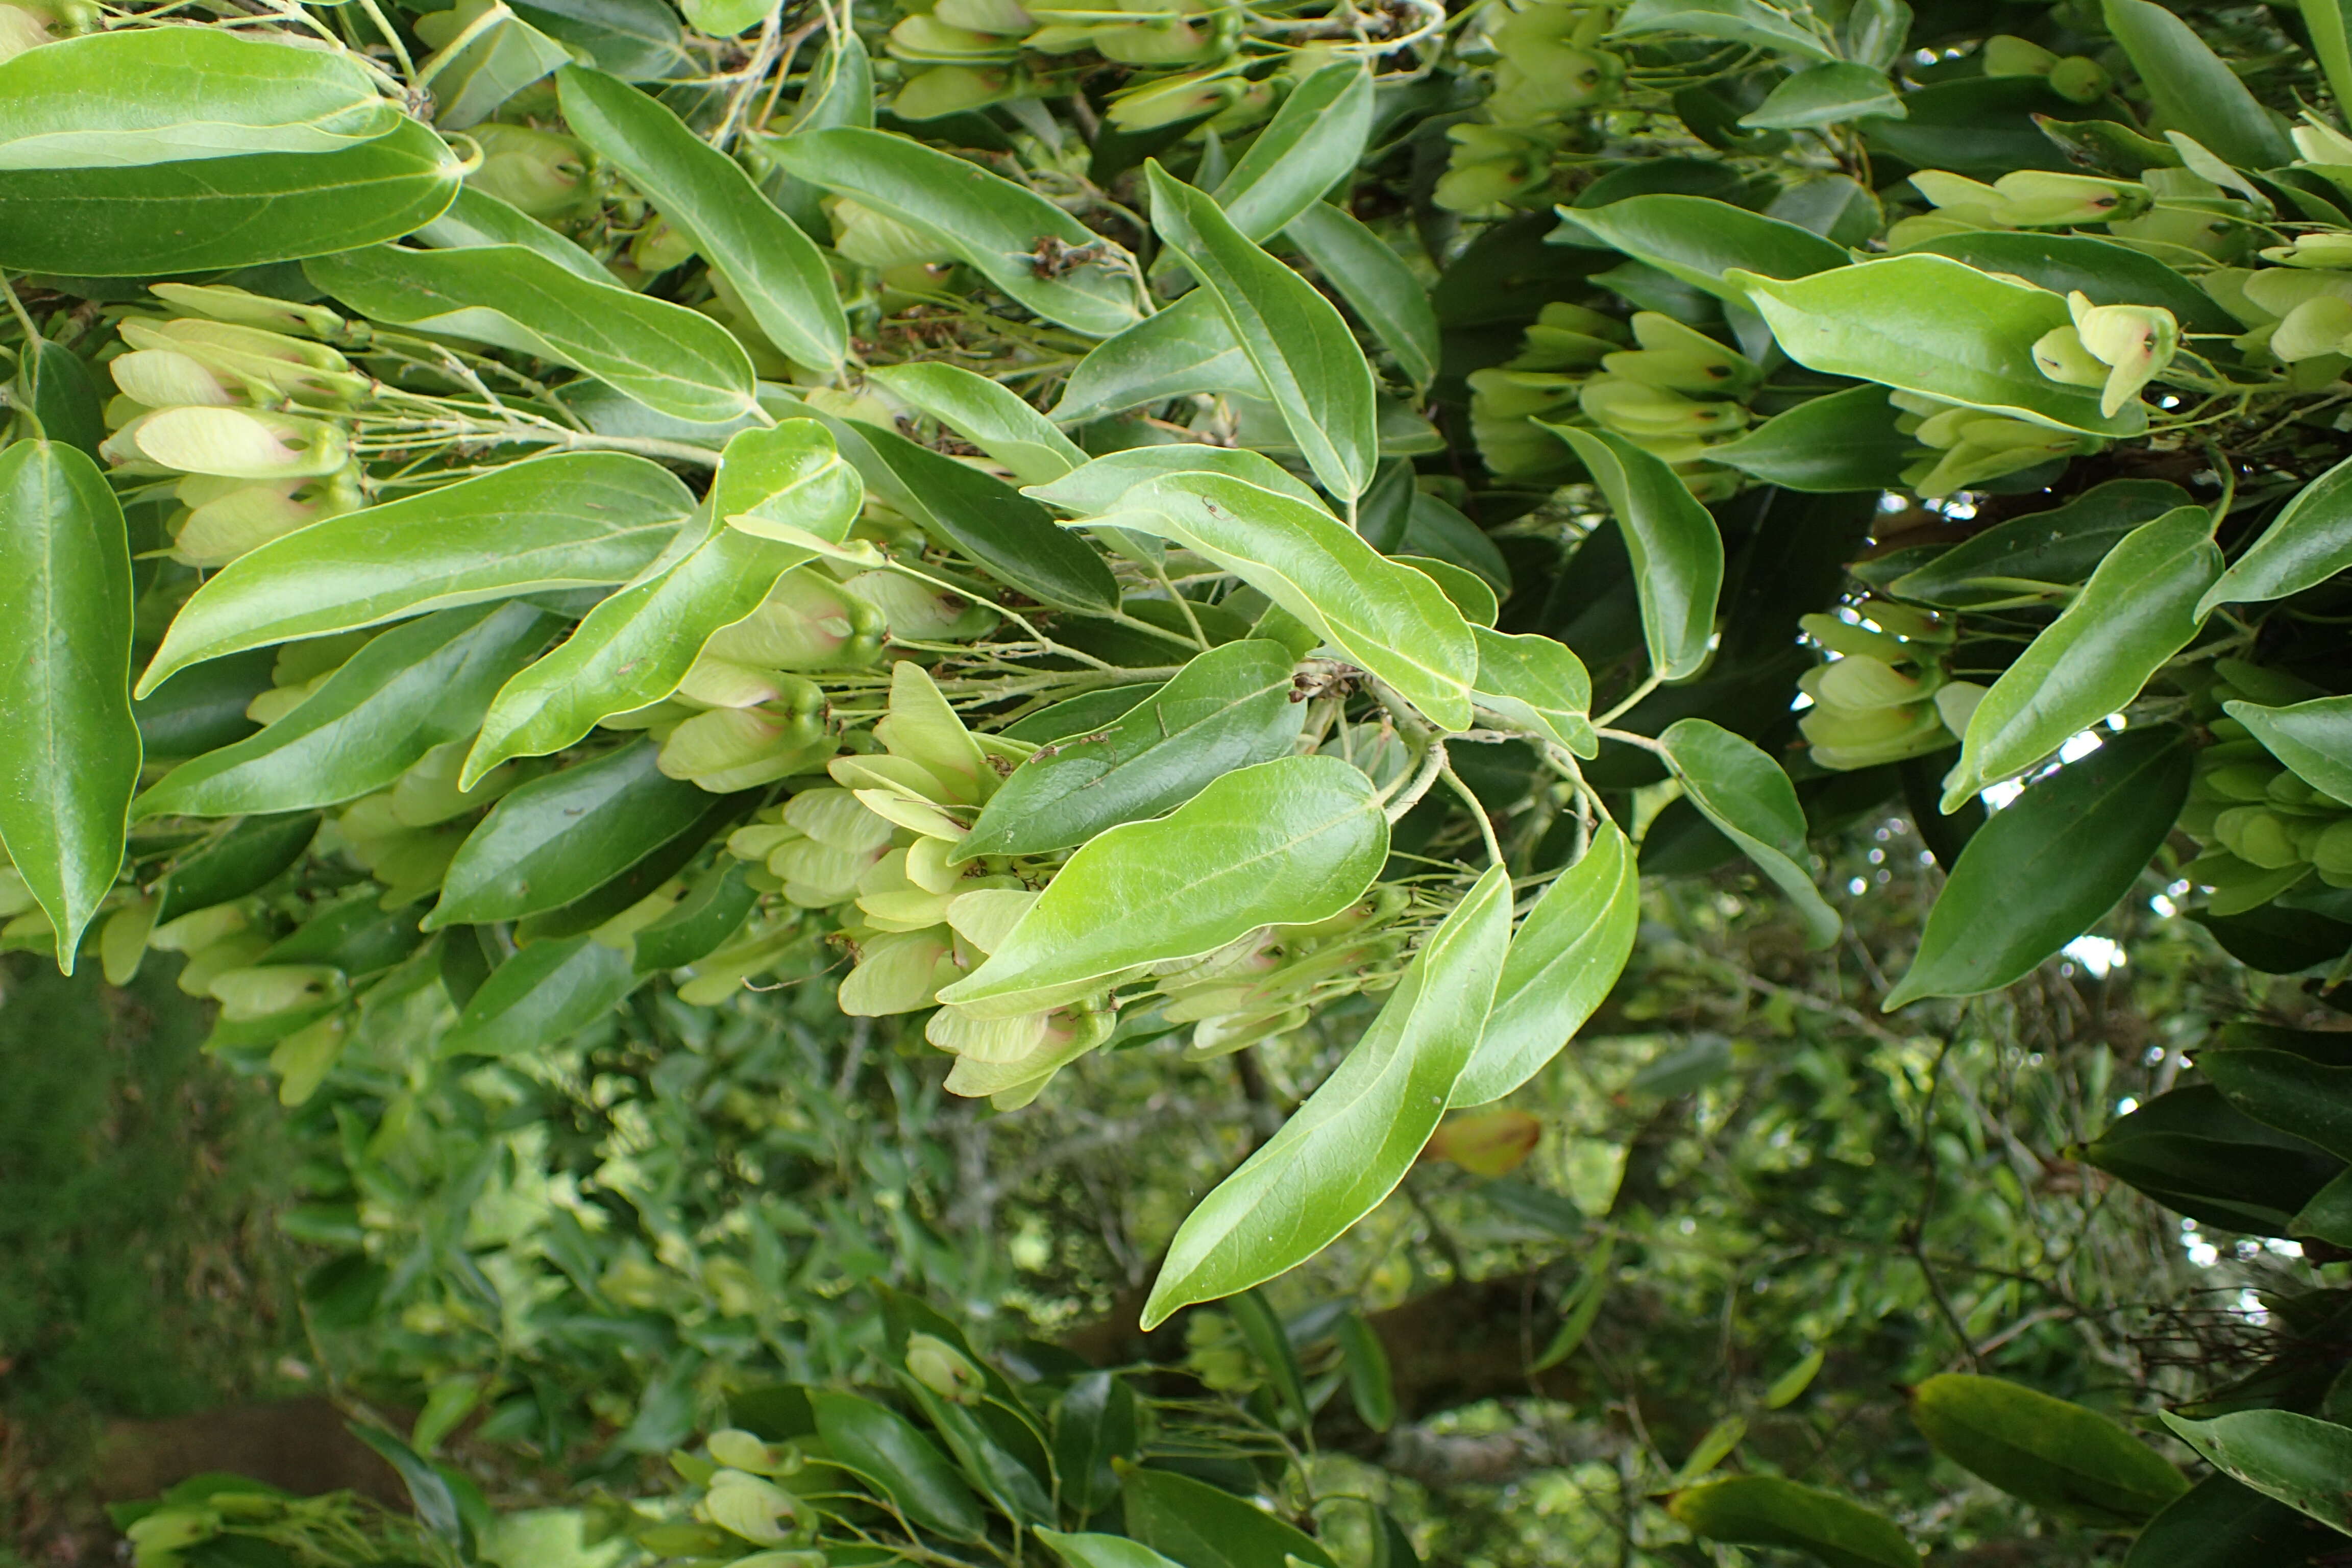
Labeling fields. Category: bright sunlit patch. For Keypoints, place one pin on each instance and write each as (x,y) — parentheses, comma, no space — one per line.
(2125,1106)
(2096,953)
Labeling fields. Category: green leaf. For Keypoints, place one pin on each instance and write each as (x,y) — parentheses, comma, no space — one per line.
(2189,89)
(1751,801)
(1826,446)
(1094,1425)
(2043,1451)
(1581,1308)
(1314,141)
(1302,351)
(1230,708)
(1370,1386)
(224,212)
(541,997)
(1790,1386)
(1201,1527)
(248,855)
(1749,22)
(1564,958)
(167,95)
(637,40)
(2222,1523)
(634,648)
(1358,1134)
(727,18)
(54,386)
(674,361)
(2137,612)
(1102,485)
(477,218)
(1535,682)
(2046,865)
(2192,1150)
(508,55)
(985,414)
(1012,537)
(2105,272)
(881,1445)
(2331,43)
(1931,325)
(429,1493)
(1829,94)
(2301,1460)
(561,837)
(1544,678)
(715,909)
(1010,1484)
(1103,1550)
(1269,1344)
(1676,551)
(1385,617)
(1766,1510)
(990,223)
(1185,349)
(2314,738)
(575,520)
(776,270)
(1375,282)
(2302,1098)
(2034,556)
(421,685)
(72,755)
(2308,542)
(1285,843)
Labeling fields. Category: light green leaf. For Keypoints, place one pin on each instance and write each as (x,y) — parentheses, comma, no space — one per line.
(1228,709)
(1749,22)
(1314,141)
(1698,240)
(2331,42)
(2301,1460)
(1934,326)
(1744,793)
(674,361)
(1790,1386)
(1538,683)
(1580,1306)
(1348,1146)
(776,270)
(1826,446)
(577,519)
(2190,89)
(633,649)
(1474,598)
(1285,843)
(2314,739)
(1187,348)
(565,835)
(479,218)
(2137,612)
(2048,1452)
(727,18)
(1103,1550)
(1294,337)
(1103,484)
(984,220)
(2309,541)
(1768,1510)
(2044,867)
(1676,550)
(1375,282)
(1830,94)
(506,55)
(1390,620)
(71,759)
(222,212)
(421,685)
(167,95)
(985,414)
(1564,958)
(541,997)
(1371,1387)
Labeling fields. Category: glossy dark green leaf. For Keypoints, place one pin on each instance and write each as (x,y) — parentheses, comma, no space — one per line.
(203,707)
(571,521)
(1754,23)
(986,414)
(215,212)
(1676,551)
(2299,1459)
(2137,610)
(357,935)
(1751,801)
(55,384)
(417,687)
(2191,89)
(1375,282)
(248,855)
(1931,325)
(1565,956)
(1185,349)
(1770,1511)
(1293,336)
(2192,1150)
(2049,863)
(1094,1423)
(1286,842)
(1080,715)
(2220,1522)
(992,225)
(881,1445)
(2047,1452)
(1829,94)
(2305,544)
(2104,271)
(2028,558)
(715,908)
(1345,1149)
(479,218)
(1314,141)
(1845,442)
(644,877)
(776,270)
(429,1493)
(563,836)
(674,361)
(71,758)
(1229,708)
(2314,739)
(2302,1098)
(541,997)
(1201,1527)
(1697,240)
